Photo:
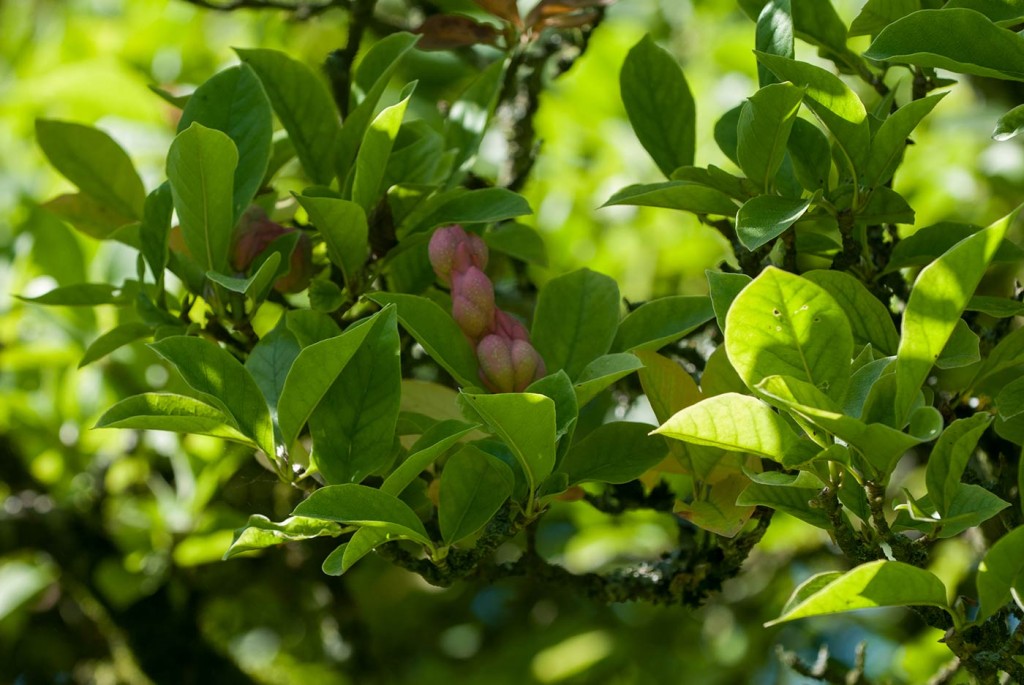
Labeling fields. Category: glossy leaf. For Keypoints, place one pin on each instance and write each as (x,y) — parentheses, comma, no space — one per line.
(949,458)
(1010,400)
(362,506)
(343,225)
(891,139)
(371,160)
(114,339)
(481,206)
(271,360)
(518,241)
(667,385)
(682,195)
(959,40)
(811,154)
(765,217)
(81,295)
(962,349)
(235,103)
(937,299)
(256,286)
(259,532)
(575,320)
(763,130)
(1010,124)
(201,168)
(874,584)
(616,452)
(661,321)
(155,229)
(782,324)
(471,112)
(723,288)
(1002,564)
(303,105)
(877,14)
(774,35)
(170,412)
(602,372)
(659,105)
(560,389)
(794,501)
(94,162)
(474,485)
(870,321)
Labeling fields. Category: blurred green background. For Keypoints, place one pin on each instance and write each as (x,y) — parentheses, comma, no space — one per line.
(110,542)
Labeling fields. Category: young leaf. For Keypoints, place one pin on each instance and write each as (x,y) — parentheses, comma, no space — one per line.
(774,36)
(303,105)
(217,375)
(474,485)
(891,139)
(235,103)
(869,319)
(962,349)
(170,412)
(353,428)
(659,105)
(832,101)
(256,286)
(526,423)
(949,458)
(575,320)
(371,161)
(1001,566)
(201,167)
(937,300)
(718,510)
(959,40)
(560,389)
(735,422)
(1010,124)
(91,160)
(765,217)
(260,532)
(874,584)
(437,332)
(661,321)
(763,130)
(362,506)
(782,324)
(616,452)
(342,224)
(313,373)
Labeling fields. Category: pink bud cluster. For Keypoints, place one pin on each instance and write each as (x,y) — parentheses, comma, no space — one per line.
(508,362)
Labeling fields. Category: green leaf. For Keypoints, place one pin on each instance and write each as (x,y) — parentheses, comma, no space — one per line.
(372,159)
(353,428)
(602,372)
(96,164)
(682,195)
(832,101)
(1010,124)
(474,485)
(481,206)
(311,327)
(661,321)
(1005,355)
(1005,13)
(114,339)
(470,114)
(437,332)
(169,412)
(874,584)
(817,23)
(1003,562)
(782,324)
(870,321)
(1010,400)
(936,302)
(616,452)
(313,373)
(891,139)
(999,307)
(791,500)
(929,242)
(217,375)
(259,532)
(271,360)
(256,286)
(949,458)
(560,389)
(434,443)
(959,40)
(884,206)
(659,105)
(962,348)
(877,14)
(726,133)
(763,130)
(526,423)
(765,217)
(200,167)
(738,423)
(881,445)
(362,506)
(575,320)
(811,155)
(234,102)
(724,287)
(155,229)
(774,35)
(717,510)
(343,225)
(668,386)
(88,216)
(304,107)
(373,74)
(518,241)
(971,506)
(81,295)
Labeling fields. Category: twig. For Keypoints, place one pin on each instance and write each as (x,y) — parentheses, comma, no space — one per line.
(301,8)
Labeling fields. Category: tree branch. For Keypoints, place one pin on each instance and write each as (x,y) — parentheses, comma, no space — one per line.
(301,8)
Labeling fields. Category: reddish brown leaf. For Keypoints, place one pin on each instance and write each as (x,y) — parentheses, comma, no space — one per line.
(507,10)
(447,31)
(567,21)
(564,13)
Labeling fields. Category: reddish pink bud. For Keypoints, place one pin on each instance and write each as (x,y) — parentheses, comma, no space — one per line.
(453,250)
(509,327)
(496,370)
(473,302)
(527,366)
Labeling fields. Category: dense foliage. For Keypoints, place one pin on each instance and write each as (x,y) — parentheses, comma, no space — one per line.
(350,298)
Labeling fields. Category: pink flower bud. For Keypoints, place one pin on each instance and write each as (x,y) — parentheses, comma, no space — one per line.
(473,302)
(496,369)
(453,250)
(509,327)
(527,366)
